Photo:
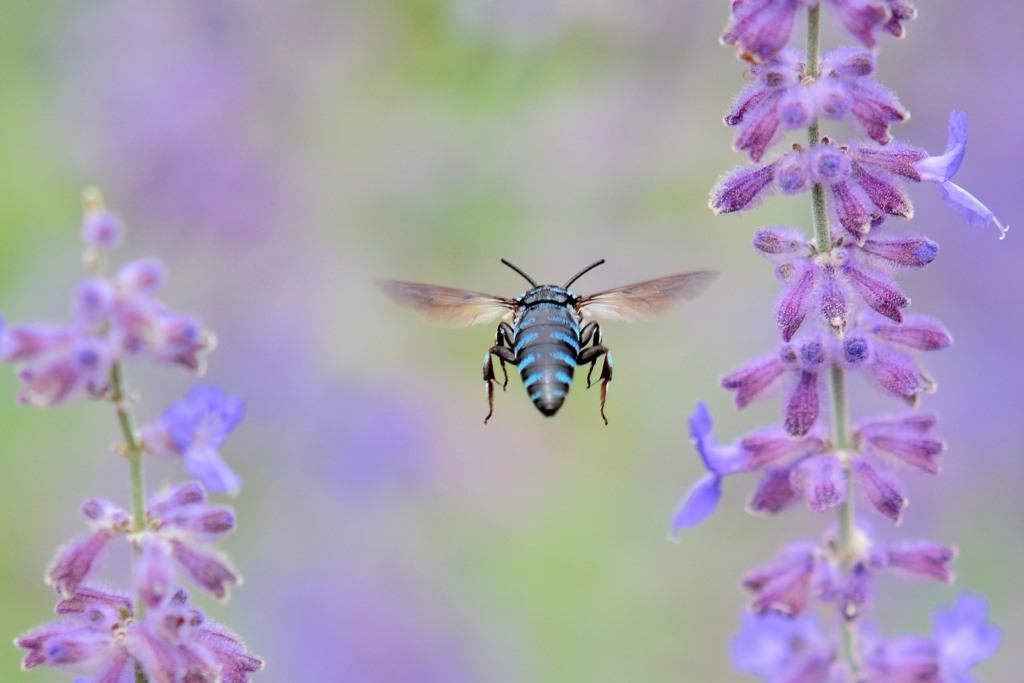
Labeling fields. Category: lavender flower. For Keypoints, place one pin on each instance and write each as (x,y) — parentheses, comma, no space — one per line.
(763,27)
(173,642)
(104,634)
(841,314)
(194,429)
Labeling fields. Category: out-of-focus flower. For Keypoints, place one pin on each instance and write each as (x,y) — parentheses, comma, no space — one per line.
(173,642)
(782,649)
(194,429)
(763,27)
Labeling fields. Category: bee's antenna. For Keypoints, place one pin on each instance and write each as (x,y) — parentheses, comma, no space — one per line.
(583,272)
(519,270)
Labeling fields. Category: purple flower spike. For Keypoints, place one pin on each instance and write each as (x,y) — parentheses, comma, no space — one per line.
(702,498)
(195,428)
(761,27)
(964,636)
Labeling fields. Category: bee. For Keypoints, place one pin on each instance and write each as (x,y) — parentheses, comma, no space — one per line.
(548,331)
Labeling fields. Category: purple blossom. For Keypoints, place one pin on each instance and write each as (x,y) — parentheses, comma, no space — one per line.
(798,366)
(74,562)
(865,181)
(702,498)
(763,27)
(965,637)
(102,230)
(784,99)
(195,429)
(828,282)
(174,642)
(782,649)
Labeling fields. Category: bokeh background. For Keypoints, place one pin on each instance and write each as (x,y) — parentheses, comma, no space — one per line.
(281,157)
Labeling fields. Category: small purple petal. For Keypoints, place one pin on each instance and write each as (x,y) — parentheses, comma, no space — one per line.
(780,241)
(899,250)
(833,304)
(923,559)
(821,481)
(75,561)
(883,491)
(792,307)
(697,505)
(941,168)
(210,571)
(970,208)
(784,585)
(803,405)
(206,465)
(741,189)
(887,196)
(896,374)
(862,18)
(881,296)
(773,494)
(775,449)
(851,211)
(917,333)
(761,27)
(755,380)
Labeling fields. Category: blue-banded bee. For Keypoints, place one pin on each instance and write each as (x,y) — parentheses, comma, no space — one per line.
(549,330)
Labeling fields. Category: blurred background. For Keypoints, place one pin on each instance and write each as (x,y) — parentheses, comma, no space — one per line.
(281,157)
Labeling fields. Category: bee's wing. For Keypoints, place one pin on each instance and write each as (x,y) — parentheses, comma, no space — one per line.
(644,300)
(449,306)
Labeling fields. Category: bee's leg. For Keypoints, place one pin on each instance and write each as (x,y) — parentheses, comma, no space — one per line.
(505,355)
(504,338)
(591,355)
(591,332)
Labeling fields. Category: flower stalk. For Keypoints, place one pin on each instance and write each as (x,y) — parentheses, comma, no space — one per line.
(841,315)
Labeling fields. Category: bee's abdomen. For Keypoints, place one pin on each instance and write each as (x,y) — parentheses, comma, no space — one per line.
(547,342)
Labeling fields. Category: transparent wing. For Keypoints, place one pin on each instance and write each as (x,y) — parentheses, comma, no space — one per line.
(644,300)
(449,306)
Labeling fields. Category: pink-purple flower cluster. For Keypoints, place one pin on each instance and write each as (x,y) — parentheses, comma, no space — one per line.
(156,635)
(841,315)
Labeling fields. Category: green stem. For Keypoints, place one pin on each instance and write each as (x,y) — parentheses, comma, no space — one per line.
(132,451)
(837,383)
